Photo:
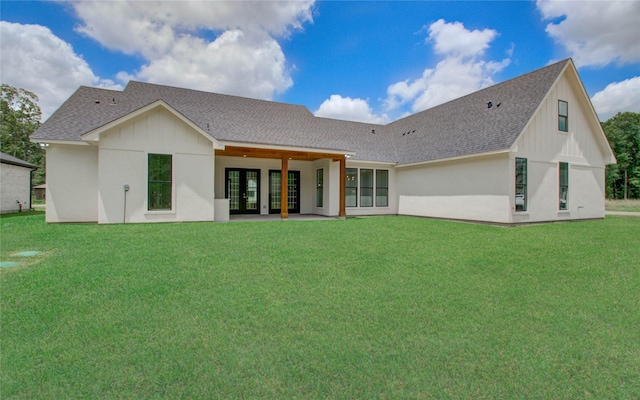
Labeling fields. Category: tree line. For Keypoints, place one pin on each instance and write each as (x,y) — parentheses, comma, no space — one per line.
(623,178)
(20,117)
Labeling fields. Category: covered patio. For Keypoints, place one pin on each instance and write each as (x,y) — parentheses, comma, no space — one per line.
(285,156)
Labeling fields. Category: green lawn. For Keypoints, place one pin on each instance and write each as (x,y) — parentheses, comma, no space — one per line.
(390,307)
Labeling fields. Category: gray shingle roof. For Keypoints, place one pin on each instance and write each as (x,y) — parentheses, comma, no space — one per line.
(7,159)
(460,127)
(467,126)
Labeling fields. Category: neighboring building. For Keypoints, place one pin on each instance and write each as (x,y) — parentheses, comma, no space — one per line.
(15,184)
(530,149)
(40,192)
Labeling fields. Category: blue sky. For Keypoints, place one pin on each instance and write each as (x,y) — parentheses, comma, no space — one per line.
(372,61)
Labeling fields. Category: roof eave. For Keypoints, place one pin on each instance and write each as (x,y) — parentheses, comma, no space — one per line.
(462,157)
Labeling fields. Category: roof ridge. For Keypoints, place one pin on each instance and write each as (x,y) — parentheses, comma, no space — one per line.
(215,94)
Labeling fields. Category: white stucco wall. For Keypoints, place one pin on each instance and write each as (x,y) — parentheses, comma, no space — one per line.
(72,183)
(475,189)
(15,182)
(123,160)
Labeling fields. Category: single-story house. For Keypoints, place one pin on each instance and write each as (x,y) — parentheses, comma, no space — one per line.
(15,184)
(530,149)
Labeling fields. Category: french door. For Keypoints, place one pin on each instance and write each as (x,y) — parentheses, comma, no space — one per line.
(275,192)
(243,190)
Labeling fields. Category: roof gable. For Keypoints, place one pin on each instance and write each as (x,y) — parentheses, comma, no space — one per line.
(94,135)
(584,139)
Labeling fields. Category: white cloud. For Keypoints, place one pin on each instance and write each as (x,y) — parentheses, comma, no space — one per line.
(595,33)
(150,27)
(453,39)
(617,97)
(346,108)
(33,58)
(461,72)
(242,57)
(231,64)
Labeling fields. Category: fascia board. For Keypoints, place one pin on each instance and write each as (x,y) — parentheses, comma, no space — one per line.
(55,141)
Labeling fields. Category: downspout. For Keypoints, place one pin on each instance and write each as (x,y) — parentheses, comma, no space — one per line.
(30,187)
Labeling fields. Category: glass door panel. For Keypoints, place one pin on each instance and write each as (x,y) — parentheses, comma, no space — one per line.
(243,190)
(274,192)
(251,191)
(293,192)
(233,190)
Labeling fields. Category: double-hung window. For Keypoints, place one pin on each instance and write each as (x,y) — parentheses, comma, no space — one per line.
(366,187)
(563,116)
(521,184)
(382,188)
(563,181)
(352,187)
(159,182)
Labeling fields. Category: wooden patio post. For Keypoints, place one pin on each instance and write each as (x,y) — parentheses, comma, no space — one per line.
(343,191)
(284,188)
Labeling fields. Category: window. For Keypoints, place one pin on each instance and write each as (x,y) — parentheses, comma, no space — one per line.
(351,192)
(159,185)
(366,188)
(563,116)
(563,181)
(521,184)
(382,188)
(319,187)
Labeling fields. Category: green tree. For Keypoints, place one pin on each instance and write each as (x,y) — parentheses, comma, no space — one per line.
(623,132)
(19,118)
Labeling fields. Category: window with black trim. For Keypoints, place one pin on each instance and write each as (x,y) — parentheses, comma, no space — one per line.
(159,182)
(382,188)
(319,187)
(351,192)
(521,184)
(366,187)
(563,181)
(563,116)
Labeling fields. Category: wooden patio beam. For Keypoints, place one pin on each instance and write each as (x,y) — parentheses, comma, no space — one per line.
(232,151)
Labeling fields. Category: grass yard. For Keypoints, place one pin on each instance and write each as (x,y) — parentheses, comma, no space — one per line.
(632,205)
(390,307)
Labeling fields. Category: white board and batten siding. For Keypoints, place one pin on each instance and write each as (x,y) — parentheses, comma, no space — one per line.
(123,160)
(544,147)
